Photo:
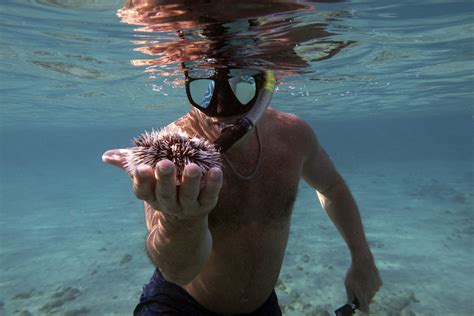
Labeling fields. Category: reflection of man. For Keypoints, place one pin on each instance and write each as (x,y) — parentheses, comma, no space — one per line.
(251,34)
(218,240)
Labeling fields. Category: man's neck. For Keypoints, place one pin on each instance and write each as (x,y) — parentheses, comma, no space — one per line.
(242,145)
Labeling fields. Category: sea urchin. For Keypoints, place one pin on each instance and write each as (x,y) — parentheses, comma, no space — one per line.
(175,145)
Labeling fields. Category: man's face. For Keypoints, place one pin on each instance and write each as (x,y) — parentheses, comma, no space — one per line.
(226,94)
(213,126)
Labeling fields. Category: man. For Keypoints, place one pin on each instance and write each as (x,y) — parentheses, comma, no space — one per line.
(218,240)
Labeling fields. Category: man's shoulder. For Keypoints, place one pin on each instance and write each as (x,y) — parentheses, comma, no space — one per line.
(288,123)
(291,131)
(183,123)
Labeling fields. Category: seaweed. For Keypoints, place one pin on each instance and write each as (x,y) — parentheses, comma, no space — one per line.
(58,299)
(24,295)
(78,312)
(23,313)
(126,259)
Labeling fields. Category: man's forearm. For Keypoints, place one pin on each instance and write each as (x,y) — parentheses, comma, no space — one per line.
(179,248)
(342,209)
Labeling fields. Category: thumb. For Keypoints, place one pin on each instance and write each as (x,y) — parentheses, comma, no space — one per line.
(116,157)
(349,290)
(350,297)
(361,303)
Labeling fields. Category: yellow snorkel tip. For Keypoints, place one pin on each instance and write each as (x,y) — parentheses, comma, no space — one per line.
(269,81)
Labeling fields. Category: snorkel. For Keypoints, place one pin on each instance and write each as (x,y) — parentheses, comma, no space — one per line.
(235,131)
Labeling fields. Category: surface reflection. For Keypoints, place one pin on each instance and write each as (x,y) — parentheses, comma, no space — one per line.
(276,35)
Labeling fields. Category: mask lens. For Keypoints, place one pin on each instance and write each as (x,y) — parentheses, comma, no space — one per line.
(244,88)
(201,91)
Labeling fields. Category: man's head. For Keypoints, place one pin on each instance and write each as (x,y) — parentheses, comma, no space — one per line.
(229,101)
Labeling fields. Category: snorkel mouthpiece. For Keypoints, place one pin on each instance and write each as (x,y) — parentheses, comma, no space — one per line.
(231,134)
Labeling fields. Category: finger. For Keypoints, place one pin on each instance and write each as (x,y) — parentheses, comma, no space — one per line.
(363,303)
(355,301)
(210,192)
(189,190)
(350,297)
(144,183)
(115,157)
(165,188)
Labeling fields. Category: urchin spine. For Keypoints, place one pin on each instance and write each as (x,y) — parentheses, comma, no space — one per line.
(175,145)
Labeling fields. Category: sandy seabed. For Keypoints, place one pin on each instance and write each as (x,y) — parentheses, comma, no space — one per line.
(80,251)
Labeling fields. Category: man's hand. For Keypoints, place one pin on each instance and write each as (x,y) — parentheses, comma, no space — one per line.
(195,197)
(362,281)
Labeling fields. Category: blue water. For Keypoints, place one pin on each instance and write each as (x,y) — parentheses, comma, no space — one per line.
(394,112)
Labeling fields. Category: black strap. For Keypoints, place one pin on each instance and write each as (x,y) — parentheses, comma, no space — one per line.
(348,309)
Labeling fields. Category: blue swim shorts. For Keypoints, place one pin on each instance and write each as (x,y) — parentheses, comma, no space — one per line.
(164,298)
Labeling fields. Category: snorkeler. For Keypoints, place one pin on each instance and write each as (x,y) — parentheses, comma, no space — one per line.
(218,240)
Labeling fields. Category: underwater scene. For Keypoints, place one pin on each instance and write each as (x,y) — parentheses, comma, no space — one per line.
(387,87)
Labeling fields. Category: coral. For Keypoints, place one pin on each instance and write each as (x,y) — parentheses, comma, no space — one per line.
(394,304)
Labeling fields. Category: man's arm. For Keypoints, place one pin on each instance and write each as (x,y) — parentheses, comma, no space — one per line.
(362,279)
(178,242)
(179,248)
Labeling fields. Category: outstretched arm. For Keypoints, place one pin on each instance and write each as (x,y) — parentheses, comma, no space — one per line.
(178,241)
(362,279)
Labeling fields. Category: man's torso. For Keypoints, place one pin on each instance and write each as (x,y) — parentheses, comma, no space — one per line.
(250,224)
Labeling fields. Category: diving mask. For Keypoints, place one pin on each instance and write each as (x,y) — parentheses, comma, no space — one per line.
(223,92)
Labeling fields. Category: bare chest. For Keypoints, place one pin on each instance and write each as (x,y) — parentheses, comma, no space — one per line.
(266,198)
